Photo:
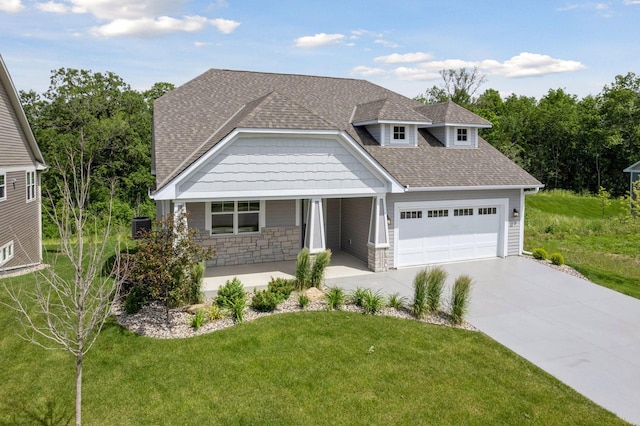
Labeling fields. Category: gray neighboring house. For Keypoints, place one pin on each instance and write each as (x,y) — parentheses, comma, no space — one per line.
(634,170)
(269,163)
(21,163)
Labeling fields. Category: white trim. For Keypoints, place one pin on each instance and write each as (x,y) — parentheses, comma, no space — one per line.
(470,188)
(169,191)
(521,218)
(7,248)
(453,124)
(298,211)
(3,197)
(405,122)
(33,185)
(503,212)
(632,168)
(12,169)
(262,217)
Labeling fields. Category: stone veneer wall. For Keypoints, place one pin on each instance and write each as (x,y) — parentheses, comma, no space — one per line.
(377,258)
(271,245)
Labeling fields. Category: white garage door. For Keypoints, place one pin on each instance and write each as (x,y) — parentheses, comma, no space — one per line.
(444,234)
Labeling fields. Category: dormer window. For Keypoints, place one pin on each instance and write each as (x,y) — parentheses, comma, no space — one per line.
(398,133)
(462,135)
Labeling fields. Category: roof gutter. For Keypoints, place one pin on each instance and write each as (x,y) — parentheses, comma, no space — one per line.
(527,188)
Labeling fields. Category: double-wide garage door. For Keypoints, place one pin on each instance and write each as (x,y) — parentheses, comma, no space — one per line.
(443,234)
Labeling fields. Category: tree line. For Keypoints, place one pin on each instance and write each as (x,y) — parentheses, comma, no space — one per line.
(565,142)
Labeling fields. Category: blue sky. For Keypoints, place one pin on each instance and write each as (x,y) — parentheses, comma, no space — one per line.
(523,47)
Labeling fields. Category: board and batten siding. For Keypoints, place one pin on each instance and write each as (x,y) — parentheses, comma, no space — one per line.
(20,221)
(14,149)
(513,226)
(282,164)
(355,218)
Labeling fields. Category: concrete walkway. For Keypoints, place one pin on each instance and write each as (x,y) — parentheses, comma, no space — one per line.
(583,334)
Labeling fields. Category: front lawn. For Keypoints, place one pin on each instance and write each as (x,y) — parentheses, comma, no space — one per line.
(602,247)
(302,368)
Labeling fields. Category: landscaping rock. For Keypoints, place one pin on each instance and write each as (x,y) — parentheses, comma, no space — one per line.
(193,308)
(313,294)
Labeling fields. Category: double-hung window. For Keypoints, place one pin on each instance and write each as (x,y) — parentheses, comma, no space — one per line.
(3,186)
(6,253)
(235,217)
(31,186)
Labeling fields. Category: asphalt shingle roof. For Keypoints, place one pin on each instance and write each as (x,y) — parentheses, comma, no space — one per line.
(194,117)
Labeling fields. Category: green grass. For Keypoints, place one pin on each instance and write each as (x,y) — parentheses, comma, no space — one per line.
(604,249)
(302,368)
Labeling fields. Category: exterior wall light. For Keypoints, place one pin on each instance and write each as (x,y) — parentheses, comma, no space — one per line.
(516,213)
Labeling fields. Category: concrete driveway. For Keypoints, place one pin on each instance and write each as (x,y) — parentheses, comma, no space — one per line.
(583,334)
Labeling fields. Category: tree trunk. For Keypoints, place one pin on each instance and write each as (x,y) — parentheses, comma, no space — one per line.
(79,389)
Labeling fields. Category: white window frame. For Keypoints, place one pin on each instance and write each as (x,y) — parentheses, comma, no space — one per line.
(31,185)
(6,253)
(3,185)
(462,135)
(235,217)
(401,134)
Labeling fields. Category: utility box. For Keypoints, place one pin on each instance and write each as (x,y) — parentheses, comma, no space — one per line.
(139,226)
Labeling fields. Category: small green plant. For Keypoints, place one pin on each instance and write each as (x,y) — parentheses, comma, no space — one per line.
(357,296)
(557,259)
(335,298)
(436,278)
(194,290)
(319,265)
(215,313)
(395,301)
(232,290)
(198,319)
(373,302)
(303,300)
(419,305)
(540,254)
(138,297)
(303,269)
(237,308)
(282,287)
(265,301)
(460,297)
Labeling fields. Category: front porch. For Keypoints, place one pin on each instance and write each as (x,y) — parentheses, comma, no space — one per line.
(257,275)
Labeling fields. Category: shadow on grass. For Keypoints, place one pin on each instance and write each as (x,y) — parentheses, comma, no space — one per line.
(47,413)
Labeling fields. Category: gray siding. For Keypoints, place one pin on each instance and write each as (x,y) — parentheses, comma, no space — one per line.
(514,223)
(265,163)
(332,223)
(14,148)
(20,221)
(439,133)
(197,216)
(376,131)
(356,215)
(280,213)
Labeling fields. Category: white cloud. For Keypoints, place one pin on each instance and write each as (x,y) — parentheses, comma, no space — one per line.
(405,58)
(628,2)
(225,26)
(530,64)
(446,64)
(11,6)
(127,9)
(147,27)
(202,43)
(415,74)
(53,7)
(318,40)
(387,43)
(368,71)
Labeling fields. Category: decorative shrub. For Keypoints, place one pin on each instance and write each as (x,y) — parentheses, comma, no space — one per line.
(282,287)
(229,293)
(460,297)
(419,305)
(194,290)
(319,265)
(215,313)
(357,296)
(265,300)
(303,300)
(436,278)
(303,269)
(557,259)
(335,298)
(540,254)
(372,302)
(237,308)
(198,319)
(136,299)
(395,301)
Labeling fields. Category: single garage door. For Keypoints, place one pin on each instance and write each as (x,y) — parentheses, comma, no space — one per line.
(444,234)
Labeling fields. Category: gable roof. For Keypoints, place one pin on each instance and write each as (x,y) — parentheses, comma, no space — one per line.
(192,119)
(14,99)
(635,167)
(452,113)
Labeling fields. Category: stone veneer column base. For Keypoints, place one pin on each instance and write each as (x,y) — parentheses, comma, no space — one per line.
(377,258)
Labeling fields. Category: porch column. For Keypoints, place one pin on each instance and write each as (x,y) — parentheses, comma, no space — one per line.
(378,236)
(314,238)
(179,217)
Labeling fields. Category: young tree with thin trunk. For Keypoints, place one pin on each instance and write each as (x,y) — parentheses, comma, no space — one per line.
(68,313)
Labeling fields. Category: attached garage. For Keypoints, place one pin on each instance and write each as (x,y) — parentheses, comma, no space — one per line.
(446,231)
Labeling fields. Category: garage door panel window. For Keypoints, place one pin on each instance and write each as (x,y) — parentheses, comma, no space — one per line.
(415,214)
(463,212)
(487,210)
(438,213)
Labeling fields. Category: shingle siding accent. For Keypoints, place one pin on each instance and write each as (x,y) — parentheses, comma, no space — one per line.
(20,222)
(356,215)
(513,226)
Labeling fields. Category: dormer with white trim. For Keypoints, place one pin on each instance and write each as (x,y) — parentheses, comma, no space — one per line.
(454,126)
(389,122)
